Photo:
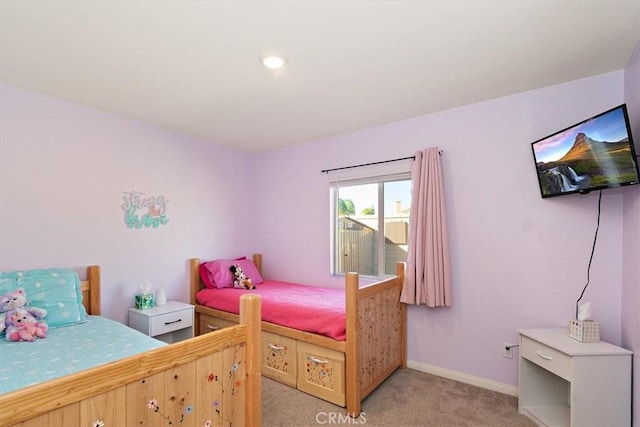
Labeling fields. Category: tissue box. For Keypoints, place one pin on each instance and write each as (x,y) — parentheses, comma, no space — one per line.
(584,330)
(144,301)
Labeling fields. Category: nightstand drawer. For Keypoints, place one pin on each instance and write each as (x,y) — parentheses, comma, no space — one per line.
(549,358)
(169,322)
(211,324)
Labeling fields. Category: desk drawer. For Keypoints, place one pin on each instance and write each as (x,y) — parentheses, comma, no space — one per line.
(211,324)
(549,358)
(279,358)
(169,322)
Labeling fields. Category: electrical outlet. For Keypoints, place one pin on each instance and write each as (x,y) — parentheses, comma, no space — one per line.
(507,350)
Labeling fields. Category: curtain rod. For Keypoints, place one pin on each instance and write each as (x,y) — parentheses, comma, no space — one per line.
(373,163)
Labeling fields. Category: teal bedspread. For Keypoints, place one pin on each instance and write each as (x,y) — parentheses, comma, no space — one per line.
(67,350)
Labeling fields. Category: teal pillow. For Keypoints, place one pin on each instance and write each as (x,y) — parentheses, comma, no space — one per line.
(55,290)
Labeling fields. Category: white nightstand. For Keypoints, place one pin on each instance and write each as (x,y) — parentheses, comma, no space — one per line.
(170,323)
(564,382)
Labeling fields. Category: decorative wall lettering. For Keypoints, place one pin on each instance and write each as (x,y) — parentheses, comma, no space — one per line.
(134,207)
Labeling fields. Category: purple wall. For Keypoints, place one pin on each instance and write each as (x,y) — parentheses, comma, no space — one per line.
(518,261)
(631,239)
(63,171)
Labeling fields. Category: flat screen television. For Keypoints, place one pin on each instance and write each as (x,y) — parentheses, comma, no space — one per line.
(594,154)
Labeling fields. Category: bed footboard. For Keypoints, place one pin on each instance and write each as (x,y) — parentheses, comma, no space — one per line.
(376,335)
(213,379)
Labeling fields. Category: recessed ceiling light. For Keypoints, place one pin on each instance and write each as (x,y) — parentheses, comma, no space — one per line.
(273,60)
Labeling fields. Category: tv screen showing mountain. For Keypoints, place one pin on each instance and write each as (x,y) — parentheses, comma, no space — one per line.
(594,154)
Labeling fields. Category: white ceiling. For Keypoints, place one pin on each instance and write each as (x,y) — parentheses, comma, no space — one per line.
(193,66)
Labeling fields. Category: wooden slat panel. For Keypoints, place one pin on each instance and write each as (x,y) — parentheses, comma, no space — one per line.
(107,407)
(379,332)
(234,384)
(209,395)
(180,394)
(67,416)
(139,394)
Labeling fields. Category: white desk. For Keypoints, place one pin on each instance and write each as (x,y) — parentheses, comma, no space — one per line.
(564,382)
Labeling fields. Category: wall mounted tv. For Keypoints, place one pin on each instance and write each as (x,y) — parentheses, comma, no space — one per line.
(594,154)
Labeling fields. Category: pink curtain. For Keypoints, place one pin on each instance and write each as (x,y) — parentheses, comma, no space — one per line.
(428,278)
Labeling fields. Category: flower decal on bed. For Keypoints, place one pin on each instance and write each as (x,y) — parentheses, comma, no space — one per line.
(234,384)
(153,404)
(97,423)
(235,381)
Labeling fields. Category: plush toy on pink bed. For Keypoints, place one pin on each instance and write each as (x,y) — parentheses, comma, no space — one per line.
(14,300)
(240,280)
(23,326)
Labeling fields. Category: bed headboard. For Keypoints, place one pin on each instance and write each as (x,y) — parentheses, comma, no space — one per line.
(91,290)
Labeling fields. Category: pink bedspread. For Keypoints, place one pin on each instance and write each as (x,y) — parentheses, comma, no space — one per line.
(306,308)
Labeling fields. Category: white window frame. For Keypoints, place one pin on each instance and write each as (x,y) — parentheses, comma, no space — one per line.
(401,174)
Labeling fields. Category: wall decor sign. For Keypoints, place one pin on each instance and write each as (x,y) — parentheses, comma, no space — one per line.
(141,211)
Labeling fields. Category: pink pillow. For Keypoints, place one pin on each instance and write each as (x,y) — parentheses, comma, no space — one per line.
(206,277)
(220,276)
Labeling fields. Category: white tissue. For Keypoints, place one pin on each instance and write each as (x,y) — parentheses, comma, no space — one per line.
(584,311)
(145,287)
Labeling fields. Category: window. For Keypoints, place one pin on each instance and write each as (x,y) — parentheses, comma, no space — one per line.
(360,209)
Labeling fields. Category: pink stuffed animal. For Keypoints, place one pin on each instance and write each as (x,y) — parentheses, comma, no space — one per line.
(23,326)
(17,299)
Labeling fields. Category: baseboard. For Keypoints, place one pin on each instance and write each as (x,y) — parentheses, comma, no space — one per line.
(463,378)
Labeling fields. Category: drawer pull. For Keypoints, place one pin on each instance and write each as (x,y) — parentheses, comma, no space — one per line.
(275,347)
(213,327)
(318,361)
(544,356)
(172,322)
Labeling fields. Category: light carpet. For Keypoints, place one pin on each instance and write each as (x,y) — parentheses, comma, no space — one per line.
(407,398)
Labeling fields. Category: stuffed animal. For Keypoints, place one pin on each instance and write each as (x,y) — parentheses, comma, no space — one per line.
(17,299)
(23,326)
(240,280)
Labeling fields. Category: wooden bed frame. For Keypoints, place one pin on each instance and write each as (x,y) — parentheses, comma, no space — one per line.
(374,348)
(181,377)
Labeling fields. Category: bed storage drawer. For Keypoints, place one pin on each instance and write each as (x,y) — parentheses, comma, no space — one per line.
(279,358)
(211,324)
(321,372)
